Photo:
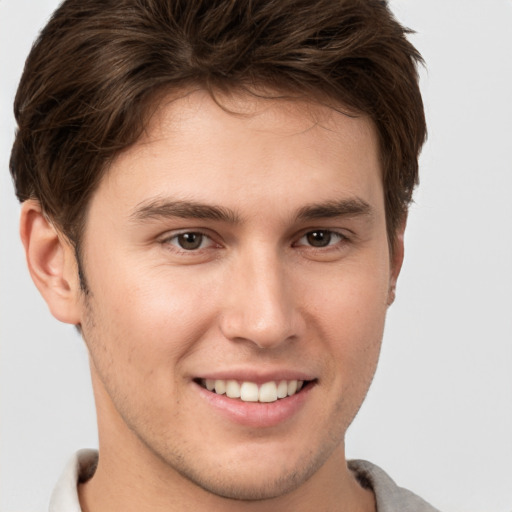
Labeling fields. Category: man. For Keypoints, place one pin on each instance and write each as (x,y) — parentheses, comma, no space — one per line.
(215,194)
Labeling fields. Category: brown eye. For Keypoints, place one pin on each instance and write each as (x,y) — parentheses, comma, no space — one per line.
(320,238)
(189,241)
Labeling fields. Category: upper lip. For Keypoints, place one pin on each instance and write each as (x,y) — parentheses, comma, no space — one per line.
(255,375)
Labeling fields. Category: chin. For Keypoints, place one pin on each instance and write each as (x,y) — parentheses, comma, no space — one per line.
(256,486)
(262,478)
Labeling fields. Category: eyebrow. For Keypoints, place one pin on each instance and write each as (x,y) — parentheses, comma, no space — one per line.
(352,207)
(163,209)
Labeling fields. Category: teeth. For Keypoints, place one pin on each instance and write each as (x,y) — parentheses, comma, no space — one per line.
(220,387)
(282,389)
(232,389)
(268,392)
(292,387)
(250,392)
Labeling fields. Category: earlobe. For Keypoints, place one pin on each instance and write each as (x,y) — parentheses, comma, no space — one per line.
(397,259)
(51,263)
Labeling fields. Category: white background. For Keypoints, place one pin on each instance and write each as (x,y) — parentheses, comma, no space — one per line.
(439,415)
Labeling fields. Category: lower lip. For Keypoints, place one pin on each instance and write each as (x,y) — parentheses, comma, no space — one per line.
(257,414)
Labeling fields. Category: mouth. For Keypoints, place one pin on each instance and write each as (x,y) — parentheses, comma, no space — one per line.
(246,391)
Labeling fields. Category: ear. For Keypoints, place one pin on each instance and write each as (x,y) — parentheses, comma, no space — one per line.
(397,258)
(51,263)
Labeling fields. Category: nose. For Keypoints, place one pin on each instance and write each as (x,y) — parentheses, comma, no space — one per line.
(260,306)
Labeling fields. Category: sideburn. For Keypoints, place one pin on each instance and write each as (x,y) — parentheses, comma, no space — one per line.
(84,288)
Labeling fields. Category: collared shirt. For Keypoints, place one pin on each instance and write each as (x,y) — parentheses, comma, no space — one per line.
(389,497)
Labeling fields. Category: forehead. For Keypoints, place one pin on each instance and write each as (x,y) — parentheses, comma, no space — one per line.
(237,150)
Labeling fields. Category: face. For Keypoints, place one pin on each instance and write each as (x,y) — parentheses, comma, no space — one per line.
(240,254)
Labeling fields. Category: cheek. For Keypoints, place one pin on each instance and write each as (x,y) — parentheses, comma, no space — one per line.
(138,331)
(349,310)
(351,297)
(147,318)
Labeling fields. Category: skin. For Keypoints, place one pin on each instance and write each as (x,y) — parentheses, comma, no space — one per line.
(256,298)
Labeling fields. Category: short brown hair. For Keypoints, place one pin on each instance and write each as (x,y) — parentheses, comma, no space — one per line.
(95,68)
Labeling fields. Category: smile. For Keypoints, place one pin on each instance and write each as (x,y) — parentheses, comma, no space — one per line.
(246,391)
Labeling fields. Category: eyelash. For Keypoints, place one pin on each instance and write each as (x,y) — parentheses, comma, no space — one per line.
(339,238)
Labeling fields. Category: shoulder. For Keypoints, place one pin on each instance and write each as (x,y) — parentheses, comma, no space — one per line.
(388,495)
